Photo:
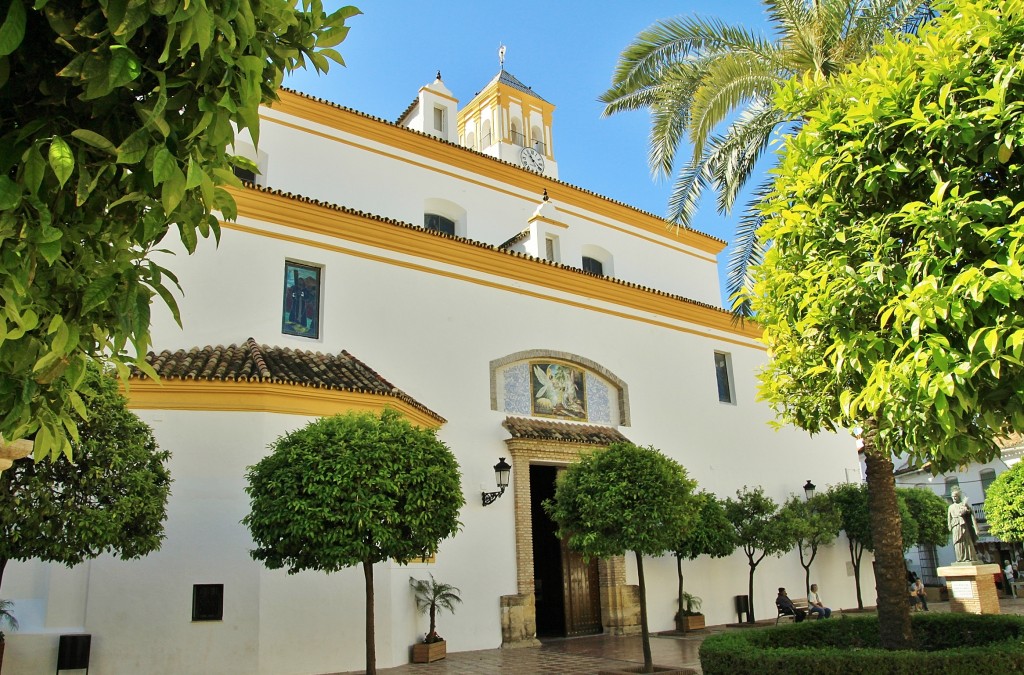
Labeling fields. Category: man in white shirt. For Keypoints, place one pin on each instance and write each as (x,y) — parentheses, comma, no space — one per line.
(815,606)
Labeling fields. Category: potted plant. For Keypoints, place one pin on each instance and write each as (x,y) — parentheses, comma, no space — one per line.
(689,617)
(6,619)
(431,596)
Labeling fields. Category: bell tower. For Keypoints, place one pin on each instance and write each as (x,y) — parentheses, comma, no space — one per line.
(510,121)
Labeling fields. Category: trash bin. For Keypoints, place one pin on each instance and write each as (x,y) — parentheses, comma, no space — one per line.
(73,652)
(742,608)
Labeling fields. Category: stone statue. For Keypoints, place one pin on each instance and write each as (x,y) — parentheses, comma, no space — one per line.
(963,526)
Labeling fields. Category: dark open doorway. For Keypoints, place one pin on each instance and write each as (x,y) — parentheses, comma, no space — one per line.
(566,588)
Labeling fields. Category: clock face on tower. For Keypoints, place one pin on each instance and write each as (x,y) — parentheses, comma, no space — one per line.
(532,160)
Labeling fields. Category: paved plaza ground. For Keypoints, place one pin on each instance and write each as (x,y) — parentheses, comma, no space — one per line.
(575,656)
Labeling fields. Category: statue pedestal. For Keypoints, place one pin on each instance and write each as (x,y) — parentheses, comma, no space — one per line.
(972,588)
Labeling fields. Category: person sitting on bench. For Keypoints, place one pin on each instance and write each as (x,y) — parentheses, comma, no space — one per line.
(816,606)
(786,606)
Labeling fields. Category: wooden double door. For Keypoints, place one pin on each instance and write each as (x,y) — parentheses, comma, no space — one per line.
(566,589)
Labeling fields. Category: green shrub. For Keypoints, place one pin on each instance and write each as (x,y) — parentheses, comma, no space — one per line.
(946,644)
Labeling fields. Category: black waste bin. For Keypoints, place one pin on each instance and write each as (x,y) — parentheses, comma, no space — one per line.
(742,607)
(73,652)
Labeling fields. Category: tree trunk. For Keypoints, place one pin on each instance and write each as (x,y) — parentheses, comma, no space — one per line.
(371,654)
(886,530)
(855,561)
(648,659)
(3,564)
(681,622)
(750,591)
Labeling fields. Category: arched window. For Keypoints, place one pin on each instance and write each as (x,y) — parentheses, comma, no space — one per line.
(485,134)
(537,140)
(593,265)
(987,478)
(433,221)
(516,135)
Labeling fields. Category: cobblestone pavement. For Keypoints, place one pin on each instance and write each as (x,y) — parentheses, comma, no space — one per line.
(592,654)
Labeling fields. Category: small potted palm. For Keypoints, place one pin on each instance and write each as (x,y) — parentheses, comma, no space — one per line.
(689,617)
(6,620)
(431,596)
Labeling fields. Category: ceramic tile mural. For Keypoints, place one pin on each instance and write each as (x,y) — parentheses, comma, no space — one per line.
(517,389)
(301,313)
(598,402)
(558,391)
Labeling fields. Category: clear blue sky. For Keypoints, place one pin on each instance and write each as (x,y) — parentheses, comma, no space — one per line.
(566,50)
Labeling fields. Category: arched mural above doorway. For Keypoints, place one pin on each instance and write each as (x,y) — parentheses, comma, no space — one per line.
(558,385)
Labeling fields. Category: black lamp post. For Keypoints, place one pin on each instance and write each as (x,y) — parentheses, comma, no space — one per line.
(809,489)
(501,472)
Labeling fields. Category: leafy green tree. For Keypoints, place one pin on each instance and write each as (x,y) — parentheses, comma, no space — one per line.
(816,522)
(113,499)
(893,296)
(928,512)
(762,529)
(116,125)
(624,498)
(353,489)
(713,85)
(710,534)
(1004,504)
(854,506)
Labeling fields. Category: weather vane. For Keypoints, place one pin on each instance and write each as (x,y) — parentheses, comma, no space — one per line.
(501,55)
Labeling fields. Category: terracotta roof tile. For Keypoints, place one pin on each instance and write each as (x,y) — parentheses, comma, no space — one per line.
(252,362)
(550,430)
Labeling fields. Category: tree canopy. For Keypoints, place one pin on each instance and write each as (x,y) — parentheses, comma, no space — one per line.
(710,534)
(1004,504)
(624,498)
(928,512)
(893,296)
(762,529)
(113,499)
(116,125)
(353,489)
(712,85)
(816,522)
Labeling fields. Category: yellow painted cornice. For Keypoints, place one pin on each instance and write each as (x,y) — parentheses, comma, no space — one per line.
(345,225)
(240,396)
(381,131)
(549,221)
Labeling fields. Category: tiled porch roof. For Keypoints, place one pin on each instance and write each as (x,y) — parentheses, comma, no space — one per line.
(565,432)
(252,362)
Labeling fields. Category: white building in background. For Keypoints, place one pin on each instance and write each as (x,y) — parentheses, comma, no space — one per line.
(973,480)
(438,265)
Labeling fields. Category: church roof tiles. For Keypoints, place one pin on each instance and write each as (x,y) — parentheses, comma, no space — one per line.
(550,430)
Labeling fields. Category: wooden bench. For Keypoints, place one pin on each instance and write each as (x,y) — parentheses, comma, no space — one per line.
(799,603)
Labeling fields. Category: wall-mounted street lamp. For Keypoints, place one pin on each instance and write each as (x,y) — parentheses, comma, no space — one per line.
(501,472)
(809,489)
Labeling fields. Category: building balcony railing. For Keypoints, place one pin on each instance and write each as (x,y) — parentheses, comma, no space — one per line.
(517,138)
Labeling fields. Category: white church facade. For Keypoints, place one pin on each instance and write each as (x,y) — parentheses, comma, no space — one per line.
(438,265)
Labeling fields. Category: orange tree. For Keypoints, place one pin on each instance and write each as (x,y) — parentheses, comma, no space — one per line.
(624,498)
(893,297)
(353,489)
(116,125)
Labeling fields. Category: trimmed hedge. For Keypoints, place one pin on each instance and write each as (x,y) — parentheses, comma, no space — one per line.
(945,644)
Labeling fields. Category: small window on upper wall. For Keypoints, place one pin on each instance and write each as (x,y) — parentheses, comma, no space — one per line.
(723,371)
(551,248)
(951,482)
(440,119)
(432,221)
(593,265)
(208,602)
(302,289)
(244,174)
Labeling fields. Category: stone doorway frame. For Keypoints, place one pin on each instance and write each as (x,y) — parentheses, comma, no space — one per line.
(620,603)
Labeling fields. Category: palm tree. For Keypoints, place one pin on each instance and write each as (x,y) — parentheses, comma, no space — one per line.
(432,595)
(713,85)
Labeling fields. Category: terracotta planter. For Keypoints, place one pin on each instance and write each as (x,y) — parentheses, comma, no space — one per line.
(425,652)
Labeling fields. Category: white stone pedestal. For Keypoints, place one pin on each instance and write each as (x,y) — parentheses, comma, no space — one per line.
(972,588)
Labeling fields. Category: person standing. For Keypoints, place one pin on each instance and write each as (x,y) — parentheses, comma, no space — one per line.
(815,605)
(1008,578)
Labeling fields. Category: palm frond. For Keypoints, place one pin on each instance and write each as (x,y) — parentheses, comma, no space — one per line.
(740,149)
(693,179)
(748,251)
